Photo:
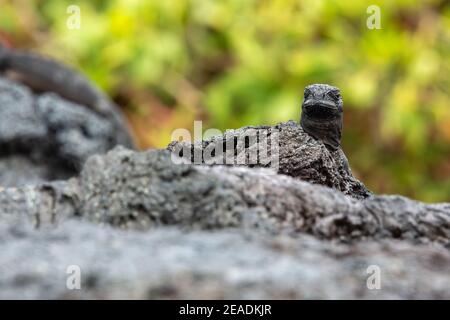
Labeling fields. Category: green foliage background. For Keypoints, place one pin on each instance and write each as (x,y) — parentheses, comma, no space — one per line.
(240,62)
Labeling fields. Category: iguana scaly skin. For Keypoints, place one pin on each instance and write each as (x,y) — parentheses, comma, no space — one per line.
(46,75)
(322,117)
(322,114)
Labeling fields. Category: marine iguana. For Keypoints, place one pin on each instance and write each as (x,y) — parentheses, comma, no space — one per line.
(322,114)
(43,74)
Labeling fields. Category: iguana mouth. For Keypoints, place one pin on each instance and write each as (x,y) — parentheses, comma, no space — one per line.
(320,109)
(319,103)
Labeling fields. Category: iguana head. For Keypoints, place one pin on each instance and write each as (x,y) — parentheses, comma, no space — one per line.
(322,101)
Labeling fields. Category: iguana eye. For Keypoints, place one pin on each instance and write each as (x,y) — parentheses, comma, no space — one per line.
(334,94)
(307,93)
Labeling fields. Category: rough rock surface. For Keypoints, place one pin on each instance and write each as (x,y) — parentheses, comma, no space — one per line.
(305,228)
(146,190)
(197,231)
(298,155)
(44,137)
(168,263)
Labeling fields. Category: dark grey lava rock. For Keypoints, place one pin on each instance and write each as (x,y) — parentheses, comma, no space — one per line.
(299,155)
(171,264)
(44,137)
(216,232)
(142,190)
(198,231)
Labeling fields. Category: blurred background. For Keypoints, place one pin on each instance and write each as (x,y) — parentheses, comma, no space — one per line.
(233,63)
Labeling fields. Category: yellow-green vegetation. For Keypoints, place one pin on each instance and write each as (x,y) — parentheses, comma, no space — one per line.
(240,62)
